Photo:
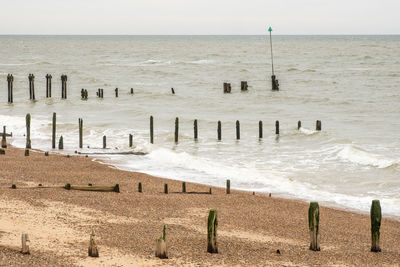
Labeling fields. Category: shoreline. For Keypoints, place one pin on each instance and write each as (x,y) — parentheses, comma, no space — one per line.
(251,227)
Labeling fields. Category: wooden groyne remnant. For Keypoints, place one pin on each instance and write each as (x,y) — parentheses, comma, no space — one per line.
(275,82)
(64,86)
(10,81)
(243,86)
(28,131)
(31,79)
(4,138)
(227,88)
(80,121)
(161,245)
(100,93)
(376,218)
(313,225)
(48,85)
(84,94)
(212,224)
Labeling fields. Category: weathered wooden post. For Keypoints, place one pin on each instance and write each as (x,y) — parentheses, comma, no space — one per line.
(4,138)
(93,251)
(227,88)
(8,89)
(277,127)
(151,130)
(165,188)
(161,245)
(116,92)
(130,140)
(30,86)
(80,133)
(64,86)
(104,142)
(102,93)
(228,186)
(48,85)
(275,82)
(219,131)
(26,152)
(195,130)
(183,187)
(243,86)
(313,225)
(131,91)
(28,131)
(140,188)
(10,80)
(61,143)
(212,224)
(176,129)
(376,217)
(237,130)
(318,126)
(298,125)
(172,91)
(260,129)
(25,244)
(2,151)
(53,135)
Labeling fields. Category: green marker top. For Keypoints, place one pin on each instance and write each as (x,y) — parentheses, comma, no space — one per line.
(270,29)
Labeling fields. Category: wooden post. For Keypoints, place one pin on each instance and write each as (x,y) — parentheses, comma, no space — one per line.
(313,225)
(151,130)
(176,129)
(219,131)
(131,91)
(26,152)
(28,130)
(183,187)
(104,141)
(4,138)
(318,126)
(116,92)
(237,130)
(260,129)
(10,80)
(30,86)
(172,91)
(102,93)
(275,83)
(195,130)
(53,135)
(165,188)
(25,244)
(63,86)
(243,86)
(80,133)
(298,125)
(48,85)
(140,188)
(130,140)
(8,89)
(161,245)
(33,87)
(61,143)
(212,225)
(376,217)
(2,151)
(228,186)
(277,127)
(93,251)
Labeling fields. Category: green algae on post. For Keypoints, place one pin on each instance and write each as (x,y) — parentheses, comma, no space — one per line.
(313,225)
(376,218)
(212,224)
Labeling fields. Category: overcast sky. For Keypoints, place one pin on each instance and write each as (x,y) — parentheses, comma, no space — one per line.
(199,16)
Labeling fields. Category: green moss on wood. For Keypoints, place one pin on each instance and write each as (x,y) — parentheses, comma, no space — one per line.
(212,224)
(28,130)
(376,218)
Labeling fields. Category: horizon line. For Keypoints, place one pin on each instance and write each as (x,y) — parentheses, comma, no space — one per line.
(335,34)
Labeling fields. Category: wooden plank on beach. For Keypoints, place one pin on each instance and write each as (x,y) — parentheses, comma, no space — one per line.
(98,188)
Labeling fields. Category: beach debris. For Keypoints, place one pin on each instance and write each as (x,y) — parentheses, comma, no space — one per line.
(48,85)
(80,121)
(98,188)
(228,186)
(176,129)
(53,132)
(243,86)
(172,91)
(64,86)
(298,125)
(4,138)
(161,245)
(61,143)
(275,82)
(237,130)
(151,130)
(104,142)
(219,131)
(116,92)
(25,244)
(183,187)
(227,88)
(10,80)
(260,129)
(93,251)
(2,151)
(28,130)
(318,126)
(212,224)
(313,225)
(26,152)
(31,79)
(376,217)
(130,140)
(165,188)
(195,130)
(140,187)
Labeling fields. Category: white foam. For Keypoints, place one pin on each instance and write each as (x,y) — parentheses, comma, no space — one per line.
(359,156)
(307,131)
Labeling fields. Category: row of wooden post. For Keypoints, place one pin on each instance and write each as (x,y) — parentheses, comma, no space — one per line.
(228,88)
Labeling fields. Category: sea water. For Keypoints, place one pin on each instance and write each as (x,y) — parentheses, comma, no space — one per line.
(350,83)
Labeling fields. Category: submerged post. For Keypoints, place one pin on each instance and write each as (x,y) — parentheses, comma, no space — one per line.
(53,135)
(219,131)
(10,80)
(63,86)
(260,129)
(80,133)
(176,129)
(130,140)
(195,130)
(212,225)
(277,127)
(172,91)
(104,141)
(313,225)
(298,125)
(237,130)
(243,86)
(48,85)
(116,92)
(28,130)
(275,83)
(376,217)
(151,130)
(31,78)
(318,126)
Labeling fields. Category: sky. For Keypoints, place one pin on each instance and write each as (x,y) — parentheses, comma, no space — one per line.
(199,17)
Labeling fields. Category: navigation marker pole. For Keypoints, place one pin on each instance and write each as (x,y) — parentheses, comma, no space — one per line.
(275,83)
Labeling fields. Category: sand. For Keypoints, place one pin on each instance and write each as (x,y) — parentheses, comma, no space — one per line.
(251,228)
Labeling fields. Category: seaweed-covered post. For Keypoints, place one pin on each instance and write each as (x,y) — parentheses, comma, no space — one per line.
(183,187)
(176,129)
(104,142)
(28,131)
(80,133)
(260,129)
(161,245)
(4,138)
(277,127)
(116,92)
(130,140)
(151,130)
(195,130)
(61,143)
(313,225)
(228,186)
(53,135)
(318,126)
(212,225)
(237,130)
(376,217)
(298,125)
(93,251)
(219,131)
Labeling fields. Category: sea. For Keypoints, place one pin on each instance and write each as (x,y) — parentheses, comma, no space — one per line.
(350,83)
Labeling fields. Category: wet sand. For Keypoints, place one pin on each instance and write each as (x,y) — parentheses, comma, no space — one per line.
(251,228)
